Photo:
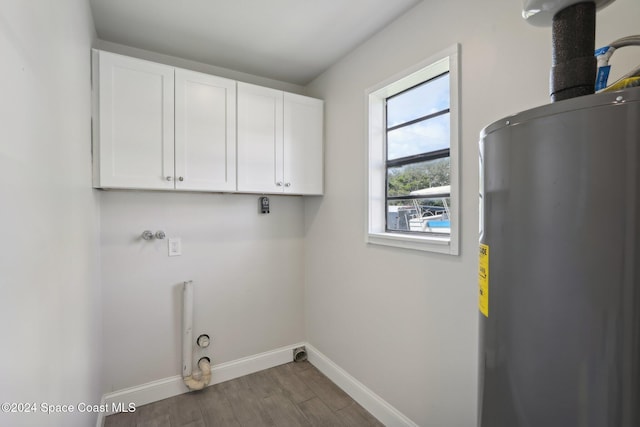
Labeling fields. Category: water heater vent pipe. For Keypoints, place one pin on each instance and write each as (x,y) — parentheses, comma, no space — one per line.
(573,36)
(573,23)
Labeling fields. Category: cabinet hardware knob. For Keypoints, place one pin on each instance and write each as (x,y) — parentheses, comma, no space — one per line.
(160,235)
(288,184)
(181,179)
(169,178)
(279,184)
(147,235)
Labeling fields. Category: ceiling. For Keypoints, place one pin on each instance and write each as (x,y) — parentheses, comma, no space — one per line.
(288,40)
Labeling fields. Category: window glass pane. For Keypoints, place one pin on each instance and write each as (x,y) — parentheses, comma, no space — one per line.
(428,215)
(421,137)
(427,98)
(402,180)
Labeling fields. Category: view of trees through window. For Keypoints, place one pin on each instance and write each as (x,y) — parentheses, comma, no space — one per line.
(403,180)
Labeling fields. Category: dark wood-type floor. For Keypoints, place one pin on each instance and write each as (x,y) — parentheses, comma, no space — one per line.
(295,394)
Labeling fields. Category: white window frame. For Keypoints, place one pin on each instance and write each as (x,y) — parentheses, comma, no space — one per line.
(447,60)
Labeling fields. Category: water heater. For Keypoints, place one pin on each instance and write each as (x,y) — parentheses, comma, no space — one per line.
(560,265)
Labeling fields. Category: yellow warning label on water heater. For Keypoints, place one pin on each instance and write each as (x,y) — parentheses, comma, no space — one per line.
(483,280)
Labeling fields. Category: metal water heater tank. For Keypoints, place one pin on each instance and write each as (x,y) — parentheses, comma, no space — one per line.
(560,265)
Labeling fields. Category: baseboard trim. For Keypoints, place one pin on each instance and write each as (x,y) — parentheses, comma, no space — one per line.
(173,386)
(377,406)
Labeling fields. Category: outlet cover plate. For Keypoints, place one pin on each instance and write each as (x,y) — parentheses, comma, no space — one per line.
(175,246)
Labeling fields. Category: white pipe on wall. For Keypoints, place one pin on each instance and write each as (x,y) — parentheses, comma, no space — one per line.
(187,328)
(199,379)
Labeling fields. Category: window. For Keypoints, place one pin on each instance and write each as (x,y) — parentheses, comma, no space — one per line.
(413,157)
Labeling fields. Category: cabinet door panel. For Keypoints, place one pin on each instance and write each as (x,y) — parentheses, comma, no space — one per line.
(303,144)
(135,123)
(205,132)
(259,139)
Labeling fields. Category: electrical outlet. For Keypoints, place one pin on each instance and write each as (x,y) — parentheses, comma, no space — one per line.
(263,203)
(175,246)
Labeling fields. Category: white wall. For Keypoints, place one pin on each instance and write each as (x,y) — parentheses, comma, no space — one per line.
(405,323)
(247,268)
(49,270)
(247,272)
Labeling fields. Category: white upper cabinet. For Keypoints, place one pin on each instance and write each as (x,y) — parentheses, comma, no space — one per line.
(205,150)
(157,127)
(145,140)
(260,154)
(279,142)
(134,136)
(303,144)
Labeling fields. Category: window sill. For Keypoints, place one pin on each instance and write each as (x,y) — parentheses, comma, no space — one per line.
(420,243)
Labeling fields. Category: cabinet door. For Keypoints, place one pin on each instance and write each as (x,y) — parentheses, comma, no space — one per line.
(205,132)
(303,144)
(260,153)
(134,131)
